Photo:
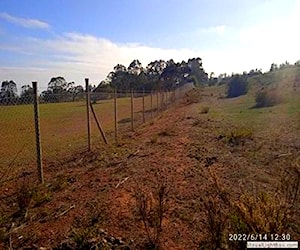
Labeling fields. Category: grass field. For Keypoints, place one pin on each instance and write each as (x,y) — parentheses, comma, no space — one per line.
(63,128)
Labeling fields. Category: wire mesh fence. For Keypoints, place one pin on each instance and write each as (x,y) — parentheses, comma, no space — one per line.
(17,143)
(63,123)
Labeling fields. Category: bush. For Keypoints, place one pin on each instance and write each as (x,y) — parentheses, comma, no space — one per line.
(151,208)
(239,136)
(237,86)
(193,96)
(252,213)
(266,99)
(24,196)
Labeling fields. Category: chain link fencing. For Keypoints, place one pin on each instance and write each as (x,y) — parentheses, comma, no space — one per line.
(63,124)
(17,143)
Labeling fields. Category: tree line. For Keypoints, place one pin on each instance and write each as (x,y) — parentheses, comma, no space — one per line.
(58,91)
(158,75)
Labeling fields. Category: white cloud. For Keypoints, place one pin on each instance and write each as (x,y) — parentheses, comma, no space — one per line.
(76,56)
(25,22)
(219,30)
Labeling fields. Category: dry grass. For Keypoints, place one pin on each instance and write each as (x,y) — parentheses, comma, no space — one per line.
(151,209)
(251,213)
(237,136)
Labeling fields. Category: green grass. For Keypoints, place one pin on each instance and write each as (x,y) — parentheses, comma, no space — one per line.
(239,111)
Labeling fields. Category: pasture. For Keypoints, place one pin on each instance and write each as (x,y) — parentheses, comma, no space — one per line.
(63,128)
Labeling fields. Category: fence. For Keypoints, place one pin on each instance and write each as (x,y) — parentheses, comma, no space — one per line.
(38,133)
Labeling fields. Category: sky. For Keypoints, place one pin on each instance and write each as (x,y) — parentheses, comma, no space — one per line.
(76,39)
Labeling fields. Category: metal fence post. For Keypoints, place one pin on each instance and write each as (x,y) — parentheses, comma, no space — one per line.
(37,134)
(88,100)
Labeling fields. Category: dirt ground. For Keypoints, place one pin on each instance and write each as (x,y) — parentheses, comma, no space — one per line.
(95,193)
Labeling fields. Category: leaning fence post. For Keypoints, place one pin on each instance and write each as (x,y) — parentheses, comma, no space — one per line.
(37,133)
(115,115)
(88,100)
(98,124)
(131,109)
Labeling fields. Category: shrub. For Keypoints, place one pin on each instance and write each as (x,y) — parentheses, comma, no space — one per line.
(151,211)
(266,99)
(238,136)
(252,212)
(237,86)
(216,205)
(40,196)
(193,96)
(24,196)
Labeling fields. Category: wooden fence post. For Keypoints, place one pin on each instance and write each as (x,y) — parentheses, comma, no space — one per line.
(175,95)
(143,105)
(98,124)
(37,134)
(166,98)
(151,103)
(88,97)
(157,101)
(115,114)
(131,109)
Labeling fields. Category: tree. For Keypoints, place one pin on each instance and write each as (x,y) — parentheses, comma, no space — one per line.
(58,85)
(175,74)
(237,86)
(155,68)
(75,91)
(135,67)
(197,71)
(274,67)
(158,75)
(26,95)
(8,93)
(102,92)
(119,78)
(59,90)
(47,96)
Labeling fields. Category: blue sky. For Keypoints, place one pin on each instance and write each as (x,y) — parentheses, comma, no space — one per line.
(78,39)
